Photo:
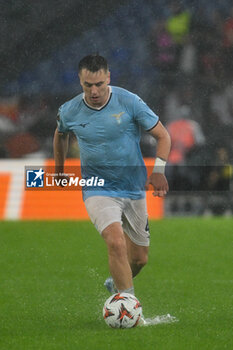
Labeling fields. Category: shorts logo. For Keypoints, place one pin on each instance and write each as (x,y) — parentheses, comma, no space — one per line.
(147,229)
(35,178)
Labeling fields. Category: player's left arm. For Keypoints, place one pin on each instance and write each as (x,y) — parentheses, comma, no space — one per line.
(158,179)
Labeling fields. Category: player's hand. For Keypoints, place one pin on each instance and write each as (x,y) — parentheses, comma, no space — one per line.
(160,184)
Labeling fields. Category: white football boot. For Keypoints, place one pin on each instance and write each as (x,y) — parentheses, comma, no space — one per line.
(110,286)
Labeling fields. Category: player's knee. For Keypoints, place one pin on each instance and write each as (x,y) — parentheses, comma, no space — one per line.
(140,261)
(117,246)
(116,243)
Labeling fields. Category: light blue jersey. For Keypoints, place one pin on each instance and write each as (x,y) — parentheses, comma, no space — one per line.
(109,141)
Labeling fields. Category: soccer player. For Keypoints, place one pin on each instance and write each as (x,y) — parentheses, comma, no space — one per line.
(107,122)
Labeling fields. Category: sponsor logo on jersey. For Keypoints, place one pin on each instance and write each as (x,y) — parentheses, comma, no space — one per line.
(83,124)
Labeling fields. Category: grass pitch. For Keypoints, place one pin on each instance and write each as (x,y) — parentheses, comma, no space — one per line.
(52,294)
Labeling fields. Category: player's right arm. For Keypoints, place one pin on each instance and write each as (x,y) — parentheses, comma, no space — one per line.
(60,148)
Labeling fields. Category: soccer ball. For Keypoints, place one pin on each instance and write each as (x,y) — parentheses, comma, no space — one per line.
(122,310)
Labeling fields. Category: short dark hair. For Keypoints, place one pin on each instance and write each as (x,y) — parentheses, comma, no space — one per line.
(93,63)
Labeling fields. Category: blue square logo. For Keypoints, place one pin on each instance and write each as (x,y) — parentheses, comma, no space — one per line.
(35,178)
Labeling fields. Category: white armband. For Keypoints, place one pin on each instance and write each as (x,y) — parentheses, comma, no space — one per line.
(159,166)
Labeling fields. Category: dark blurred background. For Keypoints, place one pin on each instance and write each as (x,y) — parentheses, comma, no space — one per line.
(177,55)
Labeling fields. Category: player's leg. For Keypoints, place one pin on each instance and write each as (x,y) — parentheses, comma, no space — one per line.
(137,255)
(136,229)
(106,213)
(117,255)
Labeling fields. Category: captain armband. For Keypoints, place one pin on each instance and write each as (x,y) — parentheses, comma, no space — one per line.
(159,166)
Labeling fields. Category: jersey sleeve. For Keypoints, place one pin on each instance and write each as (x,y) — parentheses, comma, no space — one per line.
(61,125)
(145,117)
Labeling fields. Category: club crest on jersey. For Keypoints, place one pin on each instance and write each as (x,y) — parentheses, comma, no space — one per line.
(118,116)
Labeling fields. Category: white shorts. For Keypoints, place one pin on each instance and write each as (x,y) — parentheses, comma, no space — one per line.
(132,214)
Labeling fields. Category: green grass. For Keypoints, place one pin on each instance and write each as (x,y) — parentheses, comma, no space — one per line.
(51,287)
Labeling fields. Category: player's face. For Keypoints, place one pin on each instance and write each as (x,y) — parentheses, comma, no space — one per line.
(95,86)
